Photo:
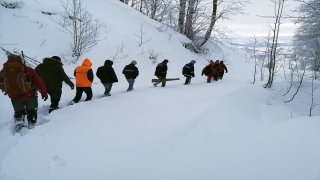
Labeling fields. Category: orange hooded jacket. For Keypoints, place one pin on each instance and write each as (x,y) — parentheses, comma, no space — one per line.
(84,74)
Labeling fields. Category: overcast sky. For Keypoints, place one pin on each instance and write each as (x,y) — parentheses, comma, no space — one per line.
(252,24)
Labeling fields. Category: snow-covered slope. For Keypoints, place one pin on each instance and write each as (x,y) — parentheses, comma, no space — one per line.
(228,129)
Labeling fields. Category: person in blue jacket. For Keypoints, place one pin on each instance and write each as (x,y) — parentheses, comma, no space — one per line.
(188,71)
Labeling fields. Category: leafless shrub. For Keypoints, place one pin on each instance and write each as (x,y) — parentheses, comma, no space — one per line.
(13,5)
(141,36)
(153,55)
(81,26)
(119,53)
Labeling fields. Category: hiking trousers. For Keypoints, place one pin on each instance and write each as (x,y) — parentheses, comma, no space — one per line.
(188,80)
(79,92)
(161,80)
(209,79)
(221,75)
(55,96)
(24,107)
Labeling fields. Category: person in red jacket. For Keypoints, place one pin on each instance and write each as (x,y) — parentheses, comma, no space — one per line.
(210,71)
(26,104)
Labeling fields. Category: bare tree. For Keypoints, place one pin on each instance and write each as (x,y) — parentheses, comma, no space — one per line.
(119,54)
(313,104)
(188,30)
(265,55)
(212,22)
(300,83)
(292,70)
(142,37)
(79,23)
(278,10)
(182,14)
(307,35)
(254,50)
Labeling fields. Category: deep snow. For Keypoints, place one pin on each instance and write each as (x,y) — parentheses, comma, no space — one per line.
(228,129)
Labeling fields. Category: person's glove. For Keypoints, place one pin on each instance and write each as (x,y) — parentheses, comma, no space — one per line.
(72,87)
(202,74)
(226,71)
(45,97)
(192,75)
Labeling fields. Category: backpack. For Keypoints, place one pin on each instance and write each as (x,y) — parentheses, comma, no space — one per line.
(14,79)
(207,70)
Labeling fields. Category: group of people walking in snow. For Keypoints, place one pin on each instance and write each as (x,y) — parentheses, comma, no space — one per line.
(48,77)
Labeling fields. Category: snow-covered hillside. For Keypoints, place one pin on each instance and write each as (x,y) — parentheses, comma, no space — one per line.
(228,129)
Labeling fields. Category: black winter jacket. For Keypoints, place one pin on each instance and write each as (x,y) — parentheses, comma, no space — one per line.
(188,70)
(106,73)
(130,71)
(161,70)
(52,74)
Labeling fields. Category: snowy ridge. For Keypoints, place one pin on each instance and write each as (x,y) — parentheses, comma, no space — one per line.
(228,129)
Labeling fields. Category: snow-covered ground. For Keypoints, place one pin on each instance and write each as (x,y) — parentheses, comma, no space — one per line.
(228,129)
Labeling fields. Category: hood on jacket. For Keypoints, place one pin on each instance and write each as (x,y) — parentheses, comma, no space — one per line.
(108,63)
(87,62)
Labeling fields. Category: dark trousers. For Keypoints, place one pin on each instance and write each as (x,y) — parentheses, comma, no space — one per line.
(24,107)
(161,80)
(188,80)
(79,92)
(216,76)
(55,96)
(221,75)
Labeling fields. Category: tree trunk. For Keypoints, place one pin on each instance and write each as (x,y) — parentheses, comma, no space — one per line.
(213,20)
(189,19)
(182,14)
(272,63)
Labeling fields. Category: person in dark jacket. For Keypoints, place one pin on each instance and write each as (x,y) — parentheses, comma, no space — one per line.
(216,68)
(188,71)
(223,68)
(107,76)
(27,104)
(84,78)
(52,74)
(131,72)
(161,73)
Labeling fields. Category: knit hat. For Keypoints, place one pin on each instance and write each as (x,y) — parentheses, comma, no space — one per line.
(221,62)
(134,62)
(193,61)
(217,61)
(56,58)
(166,60)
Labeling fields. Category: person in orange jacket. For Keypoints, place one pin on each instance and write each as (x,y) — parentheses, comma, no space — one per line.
(84,78)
